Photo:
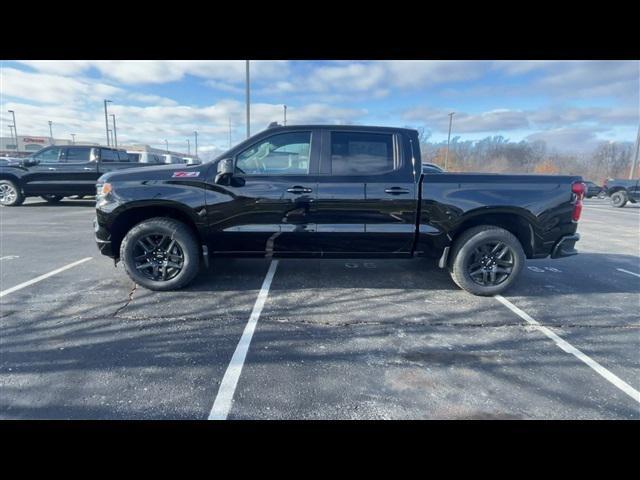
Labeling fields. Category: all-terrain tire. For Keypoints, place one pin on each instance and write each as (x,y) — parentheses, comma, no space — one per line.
(177,231)
(463,252)
(619,199)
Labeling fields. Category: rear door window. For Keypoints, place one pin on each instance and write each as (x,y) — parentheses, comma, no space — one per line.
(107,155)
(360,153)
(78,155)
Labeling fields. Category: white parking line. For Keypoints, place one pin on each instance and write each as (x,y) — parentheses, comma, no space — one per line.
(42,277)
(627,271)
(9,257)
(224,399)
(567,347)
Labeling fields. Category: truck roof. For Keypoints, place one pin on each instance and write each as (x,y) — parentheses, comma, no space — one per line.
(339,127)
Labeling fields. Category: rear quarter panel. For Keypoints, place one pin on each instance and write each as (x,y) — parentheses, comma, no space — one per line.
(450,200)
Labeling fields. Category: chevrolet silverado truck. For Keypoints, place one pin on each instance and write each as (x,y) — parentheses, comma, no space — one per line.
(622,191)
(56,172)
(333,192)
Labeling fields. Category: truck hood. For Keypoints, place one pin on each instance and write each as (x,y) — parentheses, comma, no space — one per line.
(159,172)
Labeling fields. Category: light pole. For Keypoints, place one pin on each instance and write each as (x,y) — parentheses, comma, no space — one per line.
(196,134)
(248,100)
(115,133)
(188,147)
(167,144)
(51,132)
(11,130)
(636,150)
(15,128)
(285,115)
(73,139)
(446,157)
(106,119)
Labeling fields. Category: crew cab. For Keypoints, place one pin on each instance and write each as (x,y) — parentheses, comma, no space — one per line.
(333,192)
(622,191)
(56,172)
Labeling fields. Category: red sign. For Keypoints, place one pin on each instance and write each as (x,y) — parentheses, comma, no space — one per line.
(34,140)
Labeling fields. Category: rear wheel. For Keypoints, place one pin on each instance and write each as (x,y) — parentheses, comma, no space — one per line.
(52,198)
(619,199)
(160,254)
(486,260)
(10,194)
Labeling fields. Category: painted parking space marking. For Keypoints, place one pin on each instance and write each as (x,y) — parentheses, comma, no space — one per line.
(224,399)
(9,257)
(627,271)
(567,347)
(43,277)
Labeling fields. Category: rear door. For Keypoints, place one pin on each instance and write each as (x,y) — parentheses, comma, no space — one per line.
(367,196)
(78,170)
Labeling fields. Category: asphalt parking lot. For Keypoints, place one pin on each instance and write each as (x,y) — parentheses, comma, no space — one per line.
(333,339)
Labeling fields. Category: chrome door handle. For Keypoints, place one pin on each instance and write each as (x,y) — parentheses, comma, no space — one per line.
(88,168)
(51,168)
(299,190)
(396,191)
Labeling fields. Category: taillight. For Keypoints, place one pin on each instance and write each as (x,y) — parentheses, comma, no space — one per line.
(579,189)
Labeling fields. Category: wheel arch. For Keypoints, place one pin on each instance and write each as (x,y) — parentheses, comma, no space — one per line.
(130,217)
(516,223)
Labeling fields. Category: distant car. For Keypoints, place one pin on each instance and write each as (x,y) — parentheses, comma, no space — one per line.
(593,189)
(432,168)
(145,157)
(168,158)
(622,191)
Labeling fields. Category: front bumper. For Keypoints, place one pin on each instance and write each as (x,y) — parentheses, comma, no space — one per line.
(566,246)
(103,239)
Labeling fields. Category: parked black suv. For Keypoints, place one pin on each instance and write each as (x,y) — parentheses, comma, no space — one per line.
(56,172)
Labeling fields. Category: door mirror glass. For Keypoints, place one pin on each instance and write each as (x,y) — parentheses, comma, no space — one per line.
(225,171)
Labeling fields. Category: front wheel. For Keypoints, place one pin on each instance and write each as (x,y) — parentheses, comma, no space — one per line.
(619,199)
(52,198)
(486,260)
(10,194)
(160,254)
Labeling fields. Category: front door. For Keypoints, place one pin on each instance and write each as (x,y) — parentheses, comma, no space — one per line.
(45,177)
(265,208)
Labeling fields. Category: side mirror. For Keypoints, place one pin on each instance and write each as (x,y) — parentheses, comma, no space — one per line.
(30,162)
(225,171)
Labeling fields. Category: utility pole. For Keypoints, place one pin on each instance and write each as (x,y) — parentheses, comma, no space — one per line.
(446,158)
(188,147)
(73,139)
(167,144)
(634,153)
(51,132)
(285,115)
(196,134)
(248,101)
(109,135)
(15,129)
(106,120)
(115,133)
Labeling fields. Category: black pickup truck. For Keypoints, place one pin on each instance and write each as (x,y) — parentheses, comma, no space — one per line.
(622,191)
(56,172)
(333,191)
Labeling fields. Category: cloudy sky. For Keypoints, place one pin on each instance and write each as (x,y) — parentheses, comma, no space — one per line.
(570,104)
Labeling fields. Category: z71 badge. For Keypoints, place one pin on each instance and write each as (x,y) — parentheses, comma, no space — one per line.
(186,174)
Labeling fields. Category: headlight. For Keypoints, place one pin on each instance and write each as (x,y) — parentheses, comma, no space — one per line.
(103,189)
